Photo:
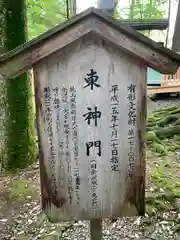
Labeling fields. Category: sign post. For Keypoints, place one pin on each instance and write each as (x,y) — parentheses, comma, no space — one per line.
(96,229)
(90,92)
(89,123)
(89,128)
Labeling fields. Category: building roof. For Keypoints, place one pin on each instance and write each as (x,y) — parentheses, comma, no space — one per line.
(146,24)
(91,21)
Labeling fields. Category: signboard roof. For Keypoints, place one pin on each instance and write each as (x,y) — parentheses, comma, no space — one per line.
(91,21)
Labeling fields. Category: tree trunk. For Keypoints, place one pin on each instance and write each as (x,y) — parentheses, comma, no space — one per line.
(132,9)
(21,134)
(3,96)
(1,27)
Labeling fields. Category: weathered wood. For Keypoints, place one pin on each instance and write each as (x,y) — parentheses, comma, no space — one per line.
(147,51)
(30,56)
(117,193)
(163,89)
(147,56)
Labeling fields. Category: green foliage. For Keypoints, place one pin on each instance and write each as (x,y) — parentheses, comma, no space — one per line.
(144,9)
(18,190)
(165,188)
(116,13)
(44,14)
(164,192)
(21,189)
(159,148)
(1,28)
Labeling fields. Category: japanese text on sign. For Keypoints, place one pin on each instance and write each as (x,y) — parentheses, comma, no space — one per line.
(131,130)
(92,117)
(48,110)
(114,128)
(75,141)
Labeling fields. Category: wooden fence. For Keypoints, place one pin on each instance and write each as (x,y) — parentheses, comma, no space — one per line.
(169,84)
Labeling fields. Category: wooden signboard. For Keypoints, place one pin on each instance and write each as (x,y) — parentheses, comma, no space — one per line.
(91,110)
(90,94)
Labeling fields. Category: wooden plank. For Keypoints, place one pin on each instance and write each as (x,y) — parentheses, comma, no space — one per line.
(171,82)
(146,24)
(164,89)
(91,172)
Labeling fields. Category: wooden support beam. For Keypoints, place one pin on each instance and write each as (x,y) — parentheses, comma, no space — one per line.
(147,24)
(163,89)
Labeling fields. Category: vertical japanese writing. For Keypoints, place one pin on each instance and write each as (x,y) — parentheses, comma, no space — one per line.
(93,172)
(132,124)
(56,102)
(91,116)
(51,157)
(114,127)
(92,79)
(64,97)
(60,143)
(75,141)
(96,144)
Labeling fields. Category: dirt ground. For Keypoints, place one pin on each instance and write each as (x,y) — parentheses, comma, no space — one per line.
(21,217)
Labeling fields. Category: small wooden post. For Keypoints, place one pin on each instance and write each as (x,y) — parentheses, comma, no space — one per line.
(96,224)
(96,229)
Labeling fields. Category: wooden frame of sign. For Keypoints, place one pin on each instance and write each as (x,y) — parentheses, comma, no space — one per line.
(90,92)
